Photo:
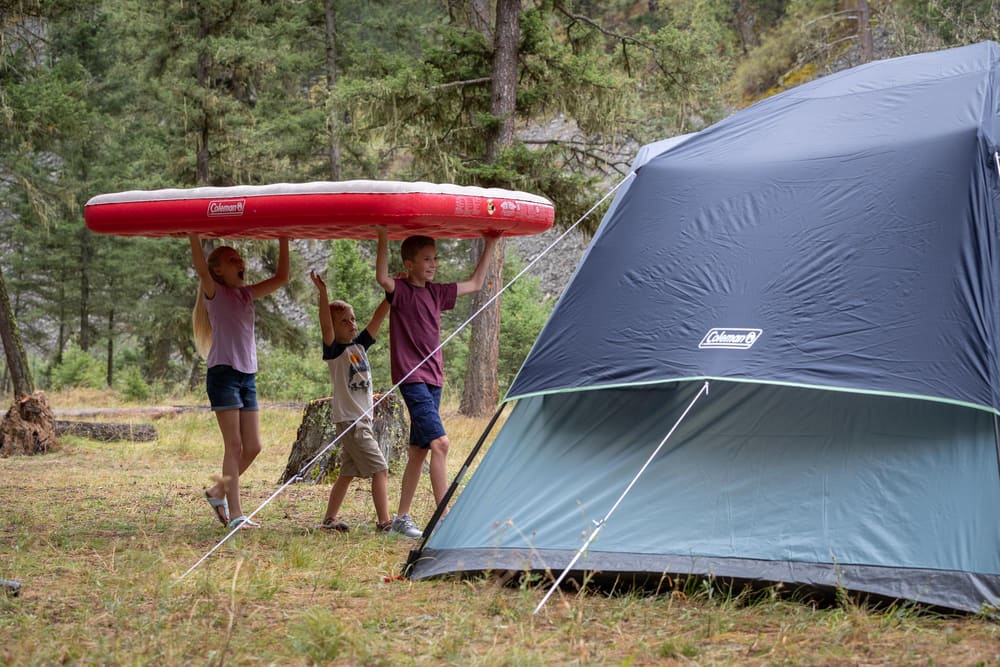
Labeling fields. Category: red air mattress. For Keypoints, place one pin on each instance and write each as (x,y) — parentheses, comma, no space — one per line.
(322,210)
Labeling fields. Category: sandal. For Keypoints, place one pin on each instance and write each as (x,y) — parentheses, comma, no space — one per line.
(242,522)
(333,524)
(220,506)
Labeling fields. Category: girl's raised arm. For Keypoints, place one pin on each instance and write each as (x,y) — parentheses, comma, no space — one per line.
(201,266)
(280,277)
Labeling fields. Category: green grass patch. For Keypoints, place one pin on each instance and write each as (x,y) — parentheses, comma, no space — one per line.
(98,535)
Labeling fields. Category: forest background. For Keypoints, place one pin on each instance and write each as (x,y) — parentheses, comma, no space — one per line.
(547,96)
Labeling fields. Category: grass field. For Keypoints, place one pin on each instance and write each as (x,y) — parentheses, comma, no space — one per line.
(99,534)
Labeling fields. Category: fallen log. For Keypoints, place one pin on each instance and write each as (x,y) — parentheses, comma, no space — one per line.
(154,411)
(107,431)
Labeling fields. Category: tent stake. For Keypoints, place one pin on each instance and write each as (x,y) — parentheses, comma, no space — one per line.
(598,525)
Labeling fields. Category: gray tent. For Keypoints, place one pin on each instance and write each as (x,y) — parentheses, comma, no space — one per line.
(828,262)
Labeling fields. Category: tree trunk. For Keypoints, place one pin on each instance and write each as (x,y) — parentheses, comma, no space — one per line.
(84,290)
(62,339)
(479,396)
(317,431)
(159,363)
(744,19)
(480,393)
(504,84)
(196,379)
(865,31)
(10,335)
(331,80)
(202,171)
(110,369)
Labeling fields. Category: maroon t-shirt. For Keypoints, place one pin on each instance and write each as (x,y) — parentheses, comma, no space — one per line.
(415,330)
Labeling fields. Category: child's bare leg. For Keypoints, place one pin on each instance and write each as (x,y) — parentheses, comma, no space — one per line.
(337,494)
(439,467)
(380,495)
(411,477)
(229,424)
(243,436)
(250,437)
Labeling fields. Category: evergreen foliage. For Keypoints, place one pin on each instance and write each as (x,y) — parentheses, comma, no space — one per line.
(133,94)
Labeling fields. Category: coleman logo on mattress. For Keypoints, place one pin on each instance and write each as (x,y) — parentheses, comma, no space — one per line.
(509,208)
(225,207)
(730,339)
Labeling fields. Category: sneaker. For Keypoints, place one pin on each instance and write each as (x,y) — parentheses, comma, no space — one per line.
(404,525)
(333,524)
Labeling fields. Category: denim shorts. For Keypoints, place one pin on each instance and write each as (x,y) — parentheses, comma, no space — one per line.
(230,389)
(423,401)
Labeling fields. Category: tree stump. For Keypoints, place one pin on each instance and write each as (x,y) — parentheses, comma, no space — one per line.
(316,431)
(28,427)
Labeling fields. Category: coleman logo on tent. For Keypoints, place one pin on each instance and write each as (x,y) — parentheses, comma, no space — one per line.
(730,339)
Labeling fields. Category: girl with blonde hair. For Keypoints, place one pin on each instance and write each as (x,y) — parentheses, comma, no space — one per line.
(223,322)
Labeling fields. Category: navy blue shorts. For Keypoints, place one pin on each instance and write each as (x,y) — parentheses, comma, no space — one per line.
(230,389)
(423,402)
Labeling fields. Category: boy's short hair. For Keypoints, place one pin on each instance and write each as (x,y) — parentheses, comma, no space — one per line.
(411,245)
(339,307)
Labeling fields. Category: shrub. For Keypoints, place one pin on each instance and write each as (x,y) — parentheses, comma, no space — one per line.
(524,311)
(291,376)
(130,384)
(77,369)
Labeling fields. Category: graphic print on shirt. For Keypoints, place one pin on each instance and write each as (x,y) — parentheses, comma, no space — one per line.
(359,377)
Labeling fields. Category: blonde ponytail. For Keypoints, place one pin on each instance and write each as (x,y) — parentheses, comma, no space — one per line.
(201,325)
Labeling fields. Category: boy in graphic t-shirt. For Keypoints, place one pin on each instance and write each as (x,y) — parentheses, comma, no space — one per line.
(344,350)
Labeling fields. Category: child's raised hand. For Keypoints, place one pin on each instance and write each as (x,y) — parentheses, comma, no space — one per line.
(317,281)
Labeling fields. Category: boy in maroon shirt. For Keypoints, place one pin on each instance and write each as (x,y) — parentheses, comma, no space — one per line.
(414,333)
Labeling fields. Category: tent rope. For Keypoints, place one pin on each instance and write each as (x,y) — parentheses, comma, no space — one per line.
(598,525)
(370,414)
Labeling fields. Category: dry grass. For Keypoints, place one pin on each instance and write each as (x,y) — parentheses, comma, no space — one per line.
(98,534)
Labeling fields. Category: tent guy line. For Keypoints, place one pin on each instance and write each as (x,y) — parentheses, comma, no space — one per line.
(298,476)
(598,525)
